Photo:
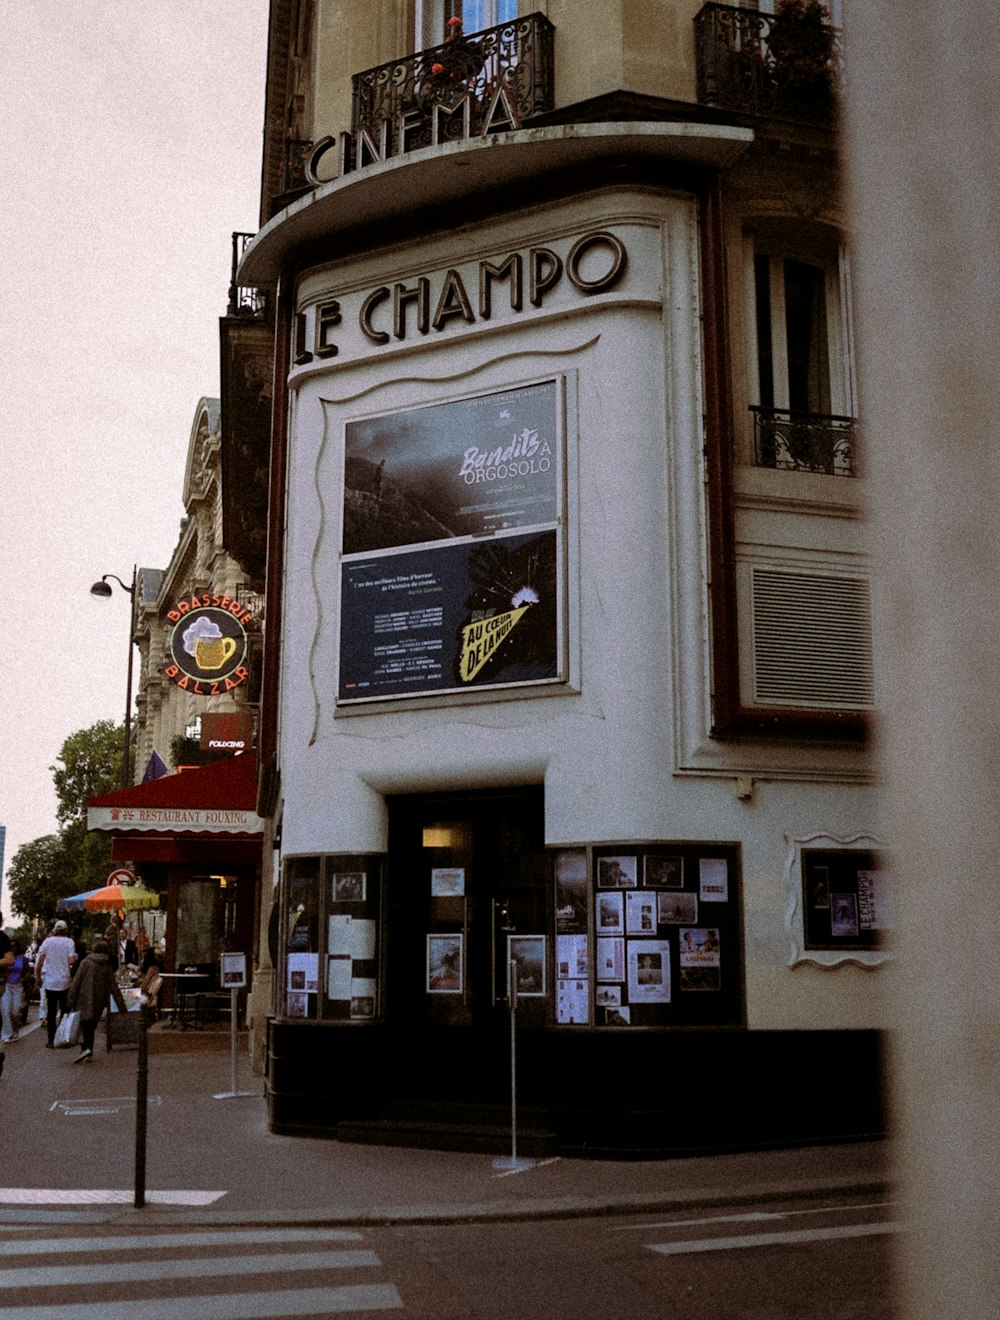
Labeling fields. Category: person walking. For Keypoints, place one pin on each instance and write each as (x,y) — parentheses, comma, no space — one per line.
(90,991)
(6,958)
(12,998)
(56,959)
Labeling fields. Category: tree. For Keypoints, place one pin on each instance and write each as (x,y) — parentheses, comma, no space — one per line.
(39,876)
(91,764)
(57,865)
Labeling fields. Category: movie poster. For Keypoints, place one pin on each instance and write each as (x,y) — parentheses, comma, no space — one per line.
(573,1002)
(464,468)
(451,618)
(700,959)
(452,613)
(648,972)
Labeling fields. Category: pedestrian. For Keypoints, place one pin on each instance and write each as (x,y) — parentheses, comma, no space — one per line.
(6,959)
(54,969)
(92,988)
(110,938)
(76,935)
(12,997)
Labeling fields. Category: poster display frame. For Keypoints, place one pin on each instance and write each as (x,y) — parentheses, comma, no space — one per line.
(481,605)
(666,927)
(330,955)
(830,954)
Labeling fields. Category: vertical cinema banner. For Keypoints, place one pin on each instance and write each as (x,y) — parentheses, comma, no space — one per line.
(451,571)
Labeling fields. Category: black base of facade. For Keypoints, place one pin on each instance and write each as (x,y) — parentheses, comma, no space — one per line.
(595,1095)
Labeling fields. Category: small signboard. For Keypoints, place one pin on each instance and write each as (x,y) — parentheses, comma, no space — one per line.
(233,970)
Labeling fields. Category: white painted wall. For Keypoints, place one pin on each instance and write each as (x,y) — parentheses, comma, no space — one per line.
(606,745)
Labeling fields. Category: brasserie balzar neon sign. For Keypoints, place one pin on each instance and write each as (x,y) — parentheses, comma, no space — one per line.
(417,304)
(207,646)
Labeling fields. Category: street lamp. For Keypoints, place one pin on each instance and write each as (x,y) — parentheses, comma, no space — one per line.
(102,590)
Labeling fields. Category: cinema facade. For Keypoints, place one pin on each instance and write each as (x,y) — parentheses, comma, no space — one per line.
(564,685)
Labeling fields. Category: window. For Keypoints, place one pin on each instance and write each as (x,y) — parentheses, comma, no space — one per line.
(432,16)
(800,373)
(793,356)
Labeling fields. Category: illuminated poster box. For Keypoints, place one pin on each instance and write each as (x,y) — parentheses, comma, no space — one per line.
(451,576)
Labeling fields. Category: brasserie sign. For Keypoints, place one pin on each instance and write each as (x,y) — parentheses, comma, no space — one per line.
(207,646)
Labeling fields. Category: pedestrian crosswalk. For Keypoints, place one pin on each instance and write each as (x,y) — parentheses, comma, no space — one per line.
(218,1274)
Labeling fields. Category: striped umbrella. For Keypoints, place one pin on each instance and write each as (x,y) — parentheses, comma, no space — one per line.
(111,898)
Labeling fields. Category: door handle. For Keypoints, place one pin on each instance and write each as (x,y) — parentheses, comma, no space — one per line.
(499,922)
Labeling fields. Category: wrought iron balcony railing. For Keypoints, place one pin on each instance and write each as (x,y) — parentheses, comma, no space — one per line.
(502,75)
(805,442)
(243,301)
(786,65)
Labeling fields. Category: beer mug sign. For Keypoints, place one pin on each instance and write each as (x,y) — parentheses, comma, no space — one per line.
(208,648)
(213,652)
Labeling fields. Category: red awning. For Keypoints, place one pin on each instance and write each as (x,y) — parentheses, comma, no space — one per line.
(216,801)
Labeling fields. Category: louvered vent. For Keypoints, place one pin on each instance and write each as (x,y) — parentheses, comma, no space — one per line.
(812,640)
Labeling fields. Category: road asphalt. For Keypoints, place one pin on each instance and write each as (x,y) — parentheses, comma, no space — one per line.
(71,1154)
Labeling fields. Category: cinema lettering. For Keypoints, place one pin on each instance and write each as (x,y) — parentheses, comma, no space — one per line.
(595,263)
(207,648)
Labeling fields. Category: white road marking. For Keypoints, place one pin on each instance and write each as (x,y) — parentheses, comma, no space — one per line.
(102,1104)
(101,1196)
(536,1164)
(790,1238)
(752,1217)
(204,1267)
(59,1246)
(233,1306)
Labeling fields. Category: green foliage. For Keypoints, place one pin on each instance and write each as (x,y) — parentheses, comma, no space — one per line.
(801,46)
(91,764)
(57,865)
(39,876)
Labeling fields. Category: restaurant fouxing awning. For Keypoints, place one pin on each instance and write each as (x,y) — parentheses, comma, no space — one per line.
(176,816)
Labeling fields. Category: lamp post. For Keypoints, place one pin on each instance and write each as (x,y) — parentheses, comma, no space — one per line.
(102,590)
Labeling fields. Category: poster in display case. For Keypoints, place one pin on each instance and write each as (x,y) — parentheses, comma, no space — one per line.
(616,872)
(640,913)
(332,936)
(651,952)
(610,914)
(572,892)
(662,872)
(303,972)
(451,572)
(700,959)
(573,1002)
(526,958)
(610,958)
(846,899)
(349,887)
(649,971)
(445,964)
(676,909)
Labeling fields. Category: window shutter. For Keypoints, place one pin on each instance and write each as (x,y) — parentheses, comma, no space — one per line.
(812,640)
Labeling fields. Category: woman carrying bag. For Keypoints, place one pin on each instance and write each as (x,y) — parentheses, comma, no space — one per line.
(90,991)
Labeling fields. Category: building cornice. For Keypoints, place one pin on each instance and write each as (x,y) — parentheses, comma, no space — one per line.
(443,177)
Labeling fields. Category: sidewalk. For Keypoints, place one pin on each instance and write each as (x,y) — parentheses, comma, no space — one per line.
(72,1127)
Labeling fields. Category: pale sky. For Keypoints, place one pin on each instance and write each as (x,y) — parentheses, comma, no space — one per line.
(130,140)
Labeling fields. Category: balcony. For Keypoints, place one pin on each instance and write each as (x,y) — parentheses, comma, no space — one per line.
(499,77)
(787,65)
(805,442)
(242,300)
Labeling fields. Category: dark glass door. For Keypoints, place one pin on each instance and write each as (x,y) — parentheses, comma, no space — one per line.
(467,889)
